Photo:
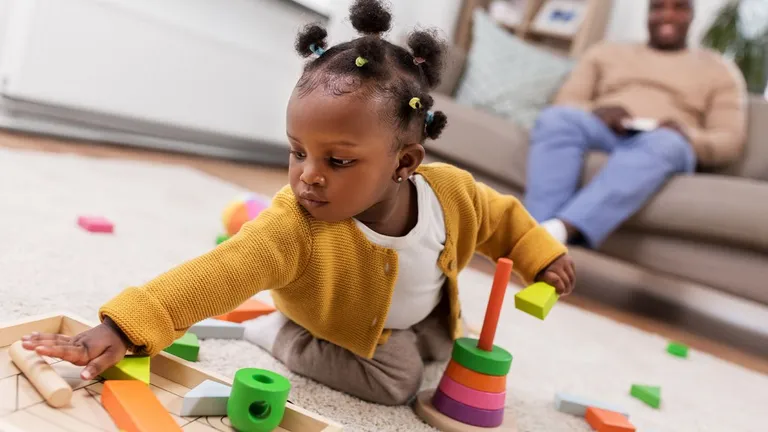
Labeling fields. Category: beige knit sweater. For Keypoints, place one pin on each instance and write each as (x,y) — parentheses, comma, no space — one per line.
(696,87)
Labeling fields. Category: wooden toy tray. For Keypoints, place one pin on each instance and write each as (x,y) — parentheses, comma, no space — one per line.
(22,409)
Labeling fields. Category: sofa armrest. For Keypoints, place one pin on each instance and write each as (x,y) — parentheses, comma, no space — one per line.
(754,162)
(482,142)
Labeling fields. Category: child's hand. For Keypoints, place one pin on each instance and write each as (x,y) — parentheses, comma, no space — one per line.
(98,349)
(561,274)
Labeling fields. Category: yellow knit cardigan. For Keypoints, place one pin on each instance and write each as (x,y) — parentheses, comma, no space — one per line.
(327,277)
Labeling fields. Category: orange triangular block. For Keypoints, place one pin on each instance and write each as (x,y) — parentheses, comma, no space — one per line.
(607,421)
(251,309)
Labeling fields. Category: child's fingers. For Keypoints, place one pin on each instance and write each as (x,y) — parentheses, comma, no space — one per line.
(101,363)
(35,339)
(75,354)
(571,272)
(554,279)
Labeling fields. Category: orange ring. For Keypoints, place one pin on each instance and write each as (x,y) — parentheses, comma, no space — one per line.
(476,380)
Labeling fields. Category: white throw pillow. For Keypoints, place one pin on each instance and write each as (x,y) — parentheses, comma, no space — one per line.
(508,76)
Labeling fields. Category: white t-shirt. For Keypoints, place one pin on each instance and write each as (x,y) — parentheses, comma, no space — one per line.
(419,284)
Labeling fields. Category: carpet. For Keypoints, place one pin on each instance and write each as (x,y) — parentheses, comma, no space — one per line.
(164,215)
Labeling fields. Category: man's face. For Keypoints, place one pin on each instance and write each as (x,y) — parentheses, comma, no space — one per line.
(668,23)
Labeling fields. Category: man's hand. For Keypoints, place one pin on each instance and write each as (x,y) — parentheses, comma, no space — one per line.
(613,116)
(97,349)
(561,274)
(675,126)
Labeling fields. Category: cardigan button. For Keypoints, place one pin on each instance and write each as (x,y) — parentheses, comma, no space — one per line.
(375,320)
(386,268)
(450,265)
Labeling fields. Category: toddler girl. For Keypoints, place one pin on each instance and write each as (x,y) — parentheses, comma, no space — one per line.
(361,251)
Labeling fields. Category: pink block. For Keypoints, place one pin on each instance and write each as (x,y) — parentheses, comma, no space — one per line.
(471,397)
(95,224)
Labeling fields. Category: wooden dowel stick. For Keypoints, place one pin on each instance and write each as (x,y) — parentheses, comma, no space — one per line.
(495,300)
(48,383)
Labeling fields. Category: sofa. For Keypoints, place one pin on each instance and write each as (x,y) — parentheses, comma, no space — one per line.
(695,256)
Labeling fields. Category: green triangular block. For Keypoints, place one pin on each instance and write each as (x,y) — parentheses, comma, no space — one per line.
(221,239)
(536,299)
(649,394)
(129,368)
(186,347)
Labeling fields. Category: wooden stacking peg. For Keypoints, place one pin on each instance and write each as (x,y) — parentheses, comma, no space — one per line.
(51,386)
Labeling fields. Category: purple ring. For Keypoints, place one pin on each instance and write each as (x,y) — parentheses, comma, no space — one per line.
(467,414)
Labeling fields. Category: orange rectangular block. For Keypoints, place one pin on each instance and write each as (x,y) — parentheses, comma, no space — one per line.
(607,421)
(250,309)
(134,408)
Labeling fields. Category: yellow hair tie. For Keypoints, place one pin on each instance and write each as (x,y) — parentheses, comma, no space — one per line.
(360,62)
(415,103)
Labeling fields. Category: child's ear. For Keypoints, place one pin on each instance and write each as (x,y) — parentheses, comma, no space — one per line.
(410,158)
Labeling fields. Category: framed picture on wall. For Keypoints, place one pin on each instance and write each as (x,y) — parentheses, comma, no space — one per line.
(560,17)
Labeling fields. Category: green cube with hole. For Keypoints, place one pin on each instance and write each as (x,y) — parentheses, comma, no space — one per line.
(257,401)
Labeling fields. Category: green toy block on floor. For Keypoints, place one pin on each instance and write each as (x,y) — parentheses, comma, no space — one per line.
(648,394)
(221,239)
(129,368)
(677,349)
(536,299)
(186,347)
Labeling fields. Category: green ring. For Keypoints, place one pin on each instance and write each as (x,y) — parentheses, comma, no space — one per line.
(257,401)
(496,362)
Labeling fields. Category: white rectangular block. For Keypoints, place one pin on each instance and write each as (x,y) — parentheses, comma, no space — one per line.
(576,405)
(208,399)
(216,329)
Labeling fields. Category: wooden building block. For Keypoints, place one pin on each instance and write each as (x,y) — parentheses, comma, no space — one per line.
(208,399)
(577,405)
(134,408)
(96,224)
(476,380)
(607,421)
(250,309)
(129,368)
(471,397)
(52,387)
(677,349)
(536,299)
(648,394)
(186,347)
(217,329)
(467,353)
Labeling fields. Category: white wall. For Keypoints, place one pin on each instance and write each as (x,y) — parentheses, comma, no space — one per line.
(219,66)
(628,22)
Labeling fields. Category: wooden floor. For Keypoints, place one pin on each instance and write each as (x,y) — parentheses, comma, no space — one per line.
(268,180)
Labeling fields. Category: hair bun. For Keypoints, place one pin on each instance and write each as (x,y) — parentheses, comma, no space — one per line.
(426,45)
(312,34)
(436,126)
(370,17)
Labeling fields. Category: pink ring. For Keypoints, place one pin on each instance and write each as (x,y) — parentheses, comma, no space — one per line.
(472,397)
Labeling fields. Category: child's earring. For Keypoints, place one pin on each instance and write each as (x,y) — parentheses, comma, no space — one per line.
(399,179)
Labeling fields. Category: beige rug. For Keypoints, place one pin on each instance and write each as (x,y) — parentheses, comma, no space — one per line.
(165,215)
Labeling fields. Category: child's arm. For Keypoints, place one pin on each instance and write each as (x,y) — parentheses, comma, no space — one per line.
(267,253)
(506,229)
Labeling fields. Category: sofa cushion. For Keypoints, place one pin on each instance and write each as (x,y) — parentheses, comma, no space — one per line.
(507,76)
(739,271)
(718,208)
(453,68)
(754,161)
(481,142)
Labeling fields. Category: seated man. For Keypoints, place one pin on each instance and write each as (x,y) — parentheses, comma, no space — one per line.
(696,99)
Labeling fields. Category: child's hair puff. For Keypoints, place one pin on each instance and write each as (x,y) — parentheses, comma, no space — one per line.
(375,67)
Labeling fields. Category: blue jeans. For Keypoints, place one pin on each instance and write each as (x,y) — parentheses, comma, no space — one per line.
(637,168)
